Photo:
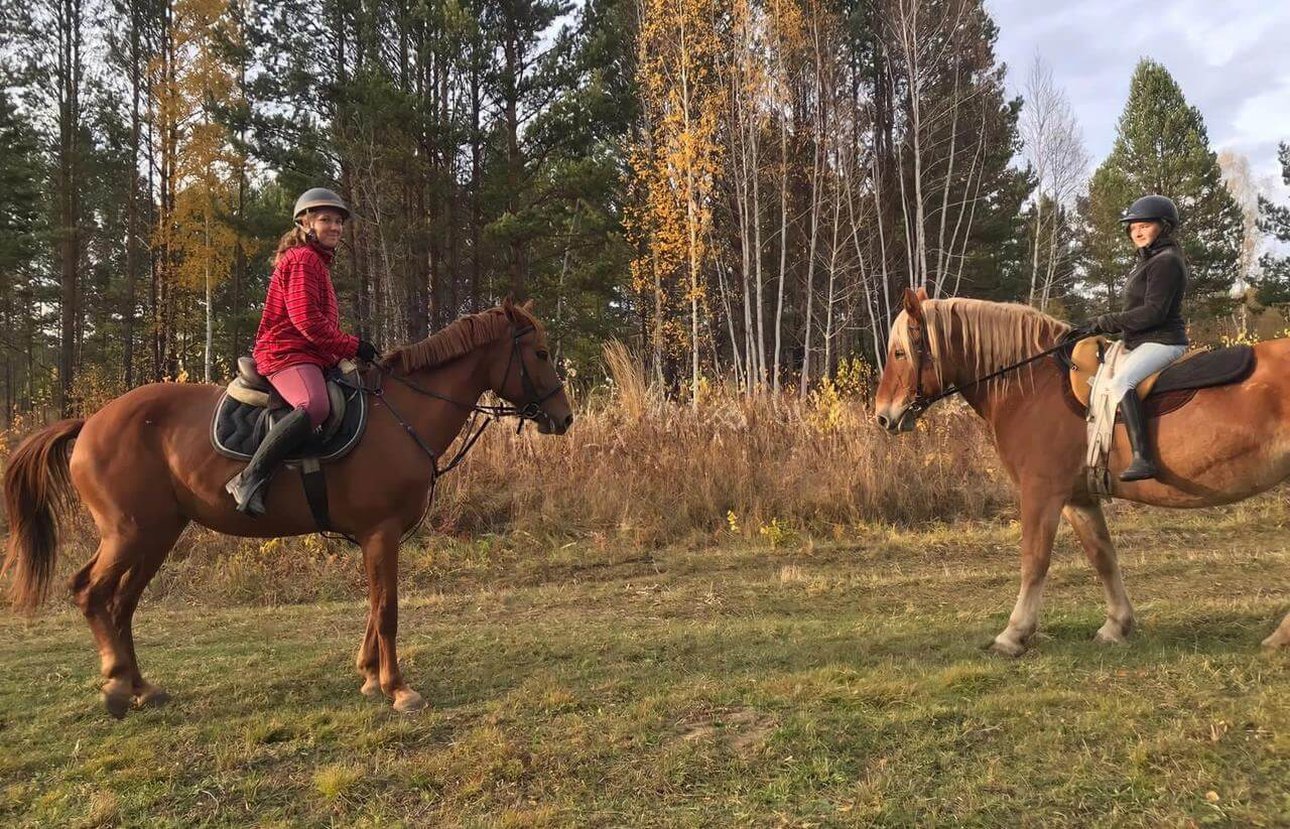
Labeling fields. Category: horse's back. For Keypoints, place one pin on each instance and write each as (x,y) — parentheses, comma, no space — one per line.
(143,425)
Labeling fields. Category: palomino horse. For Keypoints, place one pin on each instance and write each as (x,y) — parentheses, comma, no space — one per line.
(1227,444)
(144,467)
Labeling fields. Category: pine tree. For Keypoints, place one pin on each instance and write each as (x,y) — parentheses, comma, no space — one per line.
(1162,147)
(1273,284)
(21,175)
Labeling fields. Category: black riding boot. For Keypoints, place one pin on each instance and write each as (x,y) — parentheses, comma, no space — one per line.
(247,487)
(1135,423)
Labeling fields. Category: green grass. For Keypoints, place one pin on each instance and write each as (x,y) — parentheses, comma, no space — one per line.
(833,682)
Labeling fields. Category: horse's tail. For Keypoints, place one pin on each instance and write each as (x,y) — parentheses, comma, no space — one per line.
(37,491)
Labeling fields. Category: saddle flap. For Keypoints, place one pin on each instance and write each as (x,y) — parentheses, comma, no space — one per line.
(1086,359)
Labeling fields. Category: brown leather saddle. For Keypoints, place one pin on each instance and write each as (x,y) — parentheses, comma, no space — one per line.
(1195,370)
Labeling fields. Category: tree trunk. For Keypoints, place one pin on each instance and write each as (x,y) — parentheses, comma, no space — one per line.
(69,184)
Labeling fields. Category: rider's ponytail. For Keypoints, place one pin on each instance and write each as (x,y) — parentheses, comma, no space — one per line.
(293,238)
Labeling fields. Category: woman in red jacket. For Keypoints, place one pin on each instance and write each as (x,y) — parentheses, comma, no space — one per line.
(299,336)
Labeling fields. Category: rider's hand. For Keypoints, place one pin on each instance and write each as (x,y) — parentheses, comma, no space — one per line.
(368,352)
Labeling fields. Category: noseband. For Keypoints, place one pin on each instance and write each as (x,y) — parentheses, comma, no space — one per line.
(532,409)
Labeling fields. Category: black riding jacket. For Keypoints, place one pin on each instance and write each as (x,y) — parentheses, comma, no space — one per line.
(1153,298)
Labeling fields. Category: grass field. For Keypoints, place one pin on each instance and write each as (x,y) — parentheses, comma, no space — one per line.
(820,682)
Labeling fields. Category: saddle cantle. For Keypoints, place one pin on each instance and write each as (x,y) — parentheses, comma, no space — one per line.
(1197,369)
(249,406)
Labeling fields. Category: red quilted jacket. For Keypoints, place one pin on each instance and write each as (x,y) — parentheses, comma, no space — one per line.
(301,322)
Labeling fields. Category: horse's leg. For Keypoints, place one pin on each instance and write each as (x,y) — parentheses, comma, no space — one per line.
(381,560)
(1039,518)
(369,658)
(94,588)
(1089,524)
(153,553)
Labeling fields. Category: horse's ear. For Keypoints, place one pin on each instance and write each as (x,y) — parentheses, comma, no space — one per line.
(914,303)
(528,305)
(508,305)
(921,292)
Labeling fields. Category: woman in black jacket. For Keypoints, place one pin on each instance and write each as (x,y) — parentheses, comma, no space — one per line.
(1151,323)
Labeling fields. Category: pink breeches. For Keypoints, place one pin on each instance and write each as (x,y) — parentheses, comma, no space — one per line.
(303,387)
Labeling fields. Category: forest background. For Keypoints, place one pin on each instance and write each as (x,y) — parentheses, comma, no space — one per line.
(737,190)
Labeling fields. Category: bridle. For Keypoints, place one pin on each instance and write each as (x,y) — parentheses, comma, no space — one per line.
(530,410)
(922,401)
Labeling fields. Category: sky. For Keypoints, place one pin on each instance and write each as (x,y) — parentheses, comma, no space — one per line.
(1231,58)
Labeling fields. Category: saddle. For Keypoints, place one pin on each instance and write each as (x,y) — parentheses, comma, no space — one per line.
(250,406)
(1197,369)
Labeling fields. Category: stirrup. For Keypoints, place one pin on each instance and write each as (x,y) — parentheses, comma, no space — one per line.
(248,502)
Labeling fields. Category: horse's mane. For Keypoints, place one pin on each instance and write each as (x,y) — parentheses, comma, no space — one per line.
(989,335)
(458,339)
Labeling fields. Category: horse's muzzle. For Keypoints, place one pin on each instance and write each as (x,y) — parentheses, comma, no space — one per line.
(895,421)
(548,425)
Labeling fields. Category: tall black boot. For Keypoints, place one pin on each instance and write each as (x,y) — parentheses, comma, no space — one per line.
(247,487)
(1135,423)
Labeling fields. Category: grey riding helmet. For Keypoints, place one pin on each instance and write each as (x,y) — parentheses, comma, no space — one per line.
(317,197)
(1151,208)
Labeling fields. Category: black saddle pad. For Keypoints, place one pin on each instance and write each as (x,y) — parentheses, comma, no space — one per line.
(237,429)
(1213,368)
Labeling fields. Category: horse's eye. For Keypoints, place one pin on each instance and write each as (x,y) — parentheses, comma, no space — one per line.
(899,354)
(542,355)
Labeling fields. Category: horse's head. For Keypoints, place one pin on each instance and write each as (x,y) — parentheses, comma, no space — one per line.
(909,377)
(522,373)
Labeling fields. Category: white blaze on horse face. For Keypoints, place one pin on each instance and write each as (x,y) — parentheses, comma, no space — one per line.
(897,386)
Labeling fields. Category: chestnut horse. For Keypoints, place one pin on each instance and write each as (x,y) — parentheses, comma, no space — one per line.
(144,467)
(1227,444)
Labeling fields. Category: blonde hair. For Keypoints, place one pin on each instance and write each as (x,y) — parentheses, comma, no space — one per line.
(990,335)
(293,238)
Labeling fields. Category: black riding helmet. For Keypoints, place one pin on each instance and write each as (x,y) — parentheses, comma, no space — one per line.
(1152,209)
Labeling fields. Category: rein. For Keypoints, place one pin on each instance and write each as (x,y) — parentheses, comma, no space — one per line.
(923,402)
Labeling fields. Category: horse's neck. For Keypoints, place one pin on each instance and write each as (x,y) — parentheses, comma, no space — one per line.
(1006,395)
(463,381)
(1031,394)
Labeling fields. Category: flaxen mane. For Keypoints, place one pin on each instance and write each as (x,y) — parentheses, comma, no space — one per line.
(457,339)
(986,335)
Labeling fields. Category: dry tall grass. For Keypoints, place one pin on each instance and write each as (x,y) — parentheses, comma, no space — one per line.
(646,471)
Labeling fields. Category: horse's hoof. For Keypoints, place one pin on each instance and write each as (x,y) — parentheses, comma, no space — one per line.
(371,688)
(116,700)
(1110,634)
(1005,648)
(151,697)
(408,701)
